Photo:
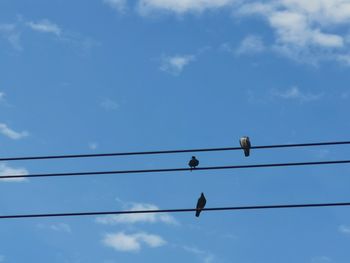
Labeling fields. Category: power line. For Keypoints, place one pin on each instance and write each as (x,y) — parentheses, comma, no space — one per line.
(175,169)
(170,151)
(257,207)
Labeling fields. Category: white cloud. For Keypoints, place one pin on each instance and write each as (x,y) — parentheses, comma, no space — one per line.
(205,256)
(343,58)
(344,229)
(138,218)
(110,105)
(8,132)
(175,64)
(293,28)
(10,33)
(2,258)
(7,170)
(132,242)
(294,93)
(181,6)
(307,31)
(250,45)
(119,5)
(45,26)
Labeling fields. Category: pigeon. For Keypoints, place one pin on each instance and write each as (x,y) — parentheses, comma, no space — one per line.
(193,163)
(245,144)
(200,204)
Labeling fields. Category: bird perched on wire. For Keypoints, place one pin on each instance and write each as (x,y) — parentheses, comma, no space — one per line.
(245,144)
(200,204)
(193,163)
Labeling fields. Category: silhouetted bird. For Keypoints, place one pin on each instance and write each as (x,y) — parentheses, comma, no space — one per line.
(193,163)
(200,204)
(245,144)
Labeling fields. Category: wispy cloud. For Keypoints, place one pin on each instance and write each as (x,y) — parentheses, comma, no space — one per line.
(58,227)
(294,93)
(138,218)
(109,104)
(8,170)
(345,229)
(206,257)
(132,242)
(119,5)
(82,43)
(61,227)
(10,133)
(45,26)
(299,22)
(2,96)
(93,145)
(11,32)
(251,44)
(181,6)
(12,35)
(321,259)
(306,31)
(175,64)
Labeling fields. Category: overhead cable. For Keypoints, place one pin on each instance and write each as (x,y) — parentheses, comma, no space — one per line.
(175,169)
(70,156)
(237,208)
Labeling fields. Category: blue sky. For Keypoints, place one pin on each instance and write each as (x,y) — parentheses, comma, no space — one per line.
(116,75)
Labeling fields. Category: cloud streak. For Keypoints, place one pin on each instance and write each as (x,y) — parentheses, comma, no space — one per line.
(344,229)
(10,33)
(181,6)
(58,227)
(12,134)
(119,5)
(306,31)
(205,256)
(8,170)
(45,26)
(294,93)
(138,218)
(132,242)
(175,64)
(109,105)
(250,45)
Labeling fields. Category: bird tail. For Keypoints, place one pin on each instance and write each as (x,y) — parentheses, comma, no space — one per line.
(246,152)
(198,212)
(191,169)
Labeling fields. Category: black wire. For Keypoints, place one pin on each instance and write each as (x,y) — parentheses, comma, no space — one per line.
(257,207)
(175,169)
(170,151)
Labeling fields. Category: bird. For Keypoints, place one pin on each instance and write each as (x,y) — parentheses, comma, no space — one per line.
(245,144)
(200,204)
(193,163)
